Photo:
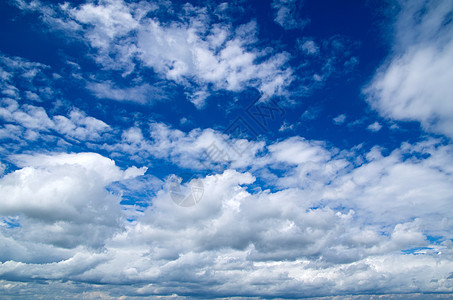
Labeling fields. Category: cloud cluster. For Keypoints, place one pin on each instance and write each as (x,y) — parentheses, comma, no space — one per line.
(317,239)
(60,200)
(194,50)
(198,149)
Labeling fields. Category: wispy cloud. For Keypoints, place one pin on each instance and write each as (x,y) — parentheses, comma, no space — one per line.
(287,14)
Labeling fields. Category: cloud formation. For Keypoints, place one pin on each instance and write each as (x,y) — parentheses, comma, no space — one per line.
(194,50)
(414,83)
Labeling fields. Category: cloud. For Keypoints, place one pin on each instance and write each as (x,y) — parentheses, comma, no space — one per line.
(338,120)
(310,114)
(17,78)
(323,60)
(278,218)
(414,83)
(143,94)
(287,14)
(328,218)
(269,238)
(198,149)
(61,198)
(36,124)
(375,127)
(309,47)
(193,50)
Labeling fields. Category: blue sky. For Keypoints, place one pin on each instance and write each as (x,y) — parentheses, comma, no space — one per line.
(318,132)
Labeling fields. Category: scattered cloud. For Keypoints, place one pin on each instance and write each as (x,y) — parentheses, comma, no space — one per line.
(193,51)
(143,94)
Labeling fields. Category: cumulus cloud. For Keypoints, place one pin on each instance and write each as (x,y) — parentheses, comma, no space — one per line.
(313,240)
(414,83)
(61,200)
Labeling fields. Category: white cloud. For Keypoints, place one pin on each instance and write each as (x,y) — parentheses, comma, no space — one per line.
(35,123)
(338,120)
(309,47)
(287,15)
(331,226)
(198,149)
(288,218)
(281,240)
(375,127)
(414,84)
(178,52)
(393,188)
(61,198)
(193,50)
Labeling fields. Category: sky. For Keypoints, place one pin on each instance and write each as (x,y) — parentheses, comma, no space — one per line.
(243,149)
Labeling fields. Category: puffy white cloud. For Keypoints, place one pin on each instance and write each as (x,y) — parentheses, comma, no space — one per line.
(35,122)
(61,199)
(401,186)
(414,83)
(283,240)
(198,149)
(309,47)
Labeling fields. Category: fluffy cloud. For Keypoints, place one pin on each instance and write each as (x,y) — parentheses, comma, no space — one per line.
(143,94)
(317,240)
(338,120)
(198,149)
(61,199)
(35,123)
(414,84)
